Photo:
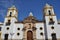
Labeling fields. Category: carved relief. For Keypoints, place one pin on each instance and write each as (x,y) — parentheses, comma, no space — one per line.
(29,27)
(34,28)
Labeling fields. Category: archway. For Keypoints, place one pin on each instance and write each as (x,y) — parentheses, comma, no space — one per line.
(29,35)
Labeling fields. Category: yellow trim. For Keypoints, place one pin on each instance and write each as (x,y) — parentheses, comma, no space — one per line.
(48,7)
(50,15)
(1,24)
(13,9)
(0,35)
(10,17)
(0,32)
(45,8)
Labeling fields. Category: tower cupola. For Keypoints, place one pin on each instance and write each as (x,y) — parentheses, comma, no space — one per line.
(48,10)
(12,12)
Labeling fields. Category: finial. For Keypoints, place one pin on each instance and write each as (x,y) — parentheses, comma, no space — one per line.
(30,14)
(12,7)
(47,5)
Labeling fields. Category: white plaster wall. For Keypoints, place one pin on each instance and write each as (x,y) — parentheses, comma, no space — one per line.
(18,31)
(38,31)
(55,30)
(13,19)
(5,31)
(13,29)
(4,28)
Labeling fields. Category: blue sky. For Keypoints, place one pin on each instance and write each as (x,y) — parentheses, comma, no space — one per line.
(26,6)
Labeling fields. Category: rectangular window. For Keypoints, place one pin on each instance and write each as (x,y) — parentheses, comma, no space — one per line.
(29,26)
(8,23)
(0,28)
(54,36)
(51,21)
(6,37)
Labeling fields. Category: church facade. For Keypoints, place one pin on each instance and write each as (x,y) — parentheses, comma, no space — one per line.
(30,28)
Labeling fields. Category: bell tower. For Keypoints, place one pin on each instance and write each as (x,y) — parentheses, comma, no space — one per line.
(49,14)
(11,15)
(50,20)
(12,12)
(48,10)
(9,22)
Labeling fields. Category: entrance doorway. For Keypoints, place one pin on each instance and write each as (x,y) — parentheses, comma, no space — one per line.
(6,37)
(54,36)
(29,35)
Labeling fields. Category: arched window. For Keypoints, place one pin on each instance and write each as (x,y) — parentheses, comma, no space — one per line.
(10,14)
(49,12)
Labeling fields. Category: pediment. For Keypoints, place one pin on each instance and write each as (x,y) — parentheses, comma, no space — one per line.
(30,19)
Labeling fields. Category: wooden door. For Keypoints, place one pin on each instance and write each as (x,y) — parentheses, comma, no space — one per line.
(29,35)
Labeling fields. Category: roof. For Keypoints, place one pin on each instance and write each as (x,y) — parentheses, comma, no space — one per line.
(58,21)
(47,5)
(30,19)
(12,7)
(30,14)
(1,23)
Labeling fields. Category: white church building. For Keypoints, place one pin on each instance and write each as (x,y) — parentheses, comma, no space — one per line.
(30,28)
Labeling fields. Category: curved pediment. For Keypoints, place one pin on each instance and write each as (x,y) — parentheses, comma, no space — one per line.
(30,19)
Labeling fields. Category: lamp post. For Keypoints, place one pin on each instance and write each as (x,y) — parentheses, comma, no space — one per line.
(11,35)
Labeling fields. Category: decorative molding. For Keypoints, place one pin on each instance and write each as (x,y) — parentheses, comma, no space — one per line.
(24,29)
(34,28)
